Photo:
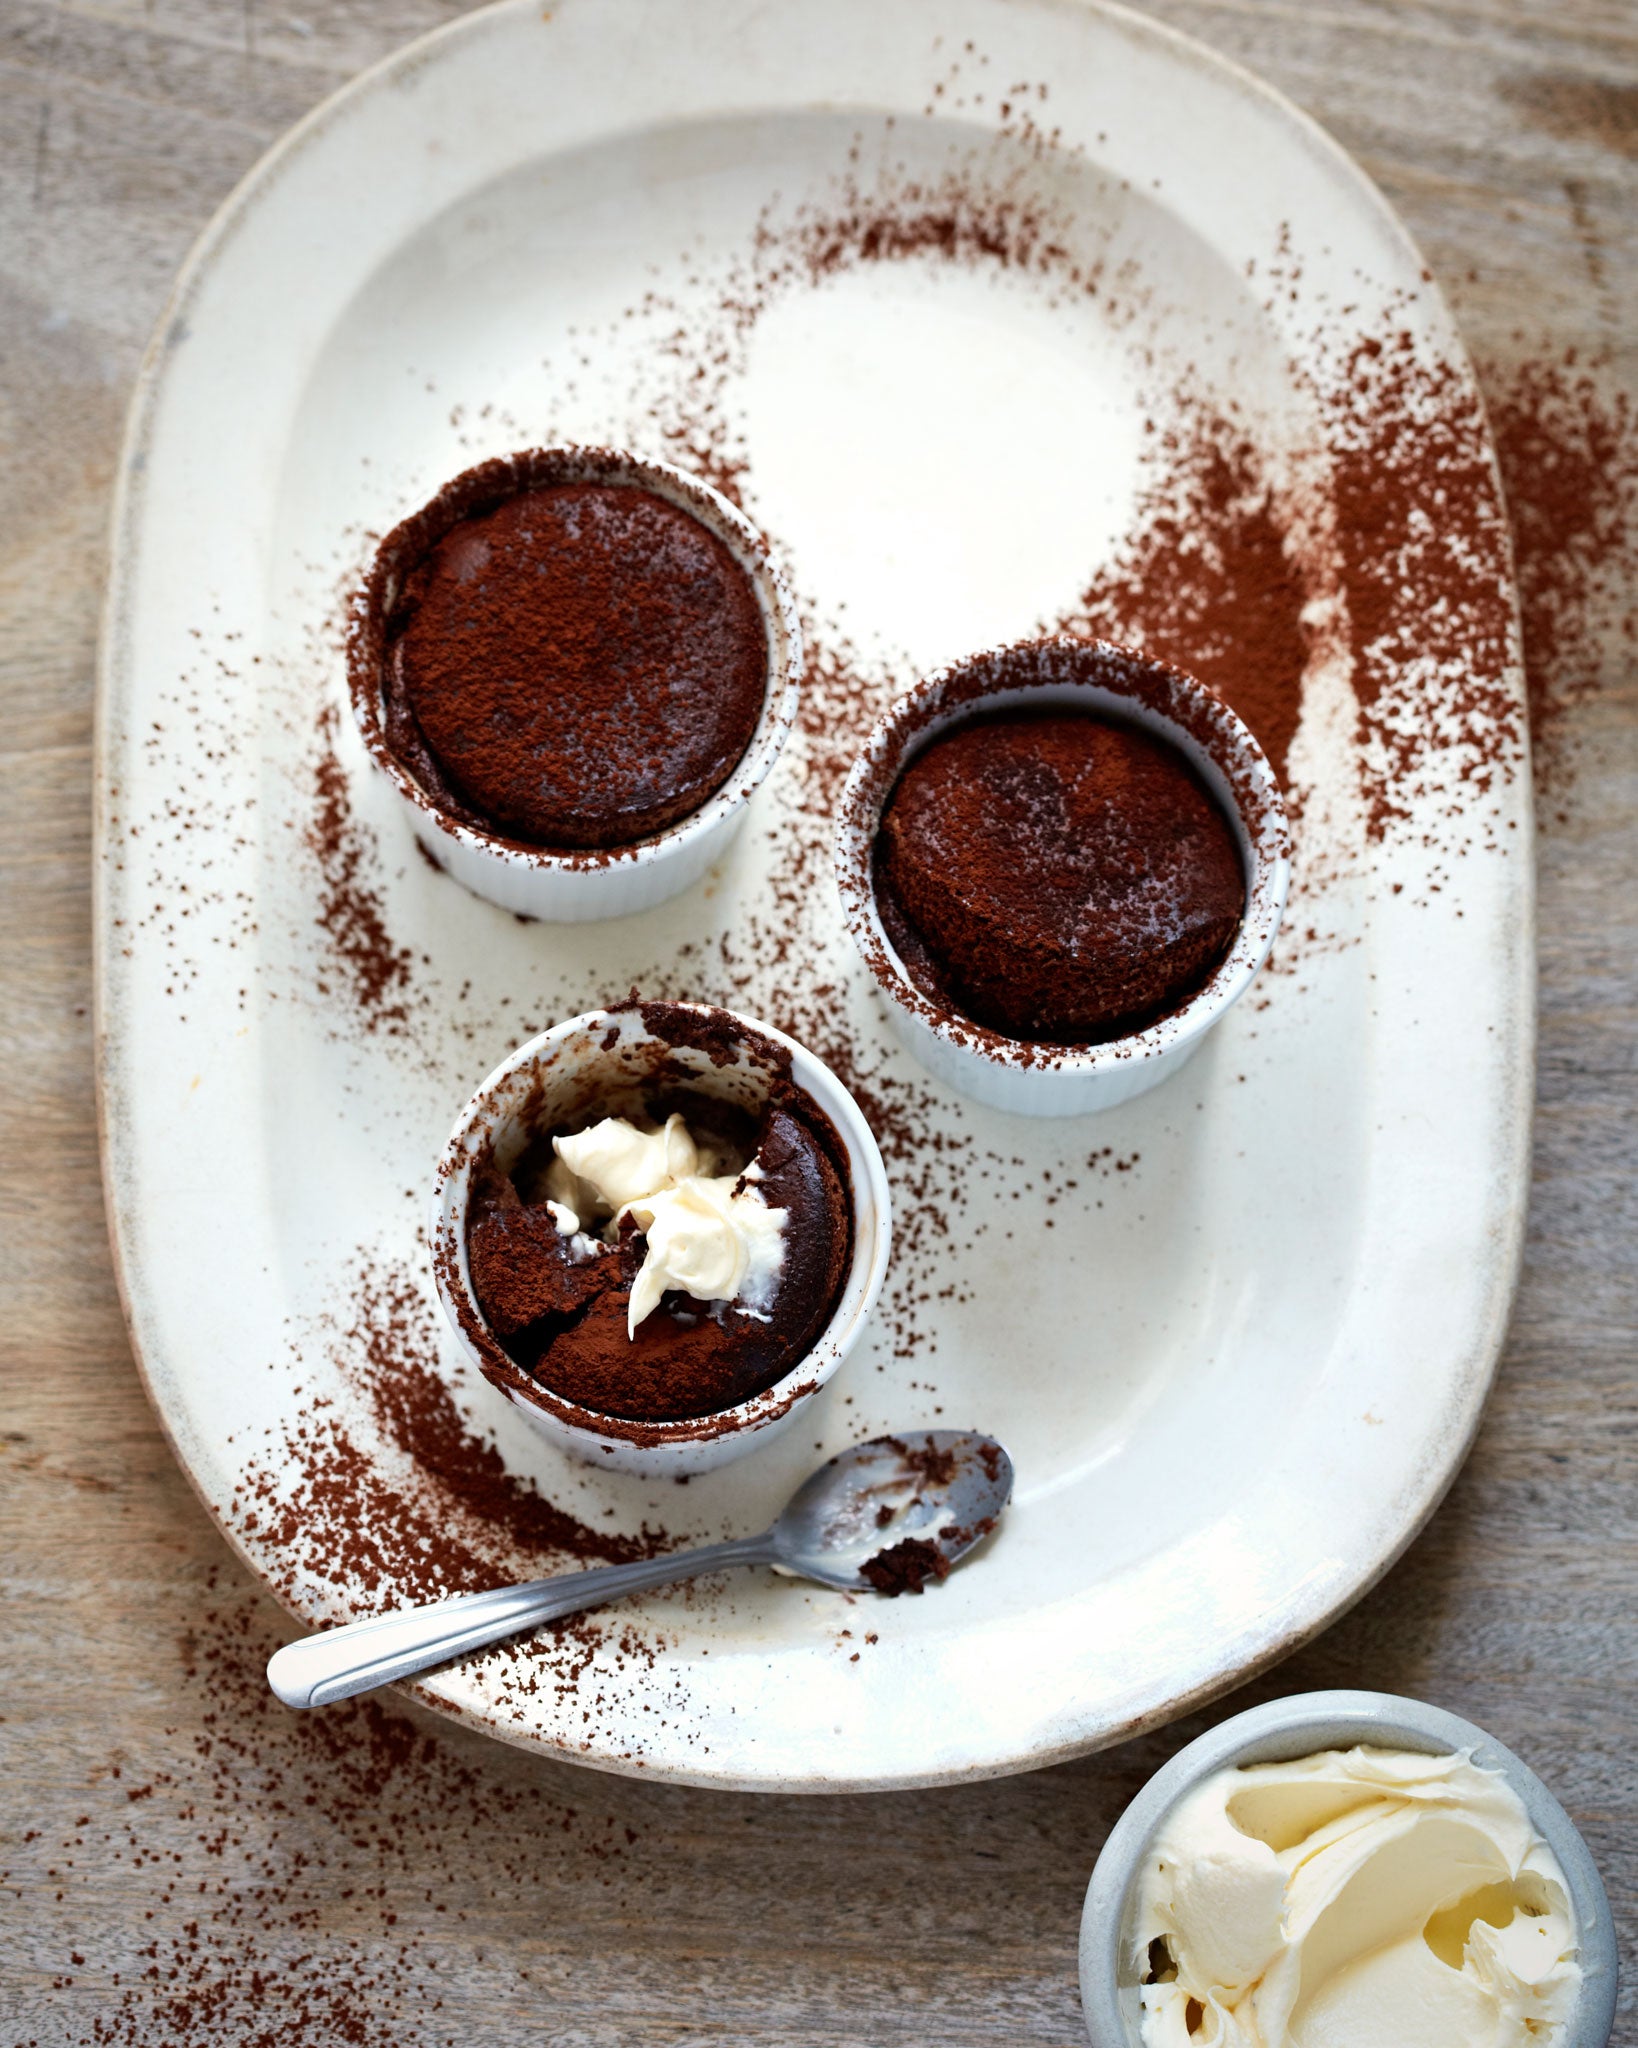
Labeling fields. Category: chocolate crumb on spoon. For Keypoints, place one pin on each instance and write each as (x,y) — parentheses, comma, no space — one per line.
(937,1494)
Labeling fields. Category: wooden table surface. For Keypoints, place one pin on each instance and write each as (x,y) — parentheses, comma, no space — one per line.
(180,1860)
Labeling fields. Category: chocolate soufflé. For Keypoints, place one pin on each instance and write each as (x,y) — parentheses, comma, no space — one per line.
(569,665)
(1057,876)
(558,1302)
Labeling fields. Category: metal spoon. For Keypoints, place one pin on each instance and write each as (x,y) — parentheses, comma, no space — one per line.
(884,1516)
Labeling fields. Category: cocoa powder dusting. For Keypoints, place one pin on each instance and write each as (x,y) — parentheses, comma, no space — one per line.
(946,218)
(1207,580)
(1399,531)
(579,665)
(303,1901)
(375,969)
(1421,538)
(451,1519)
(1567,443)
(1056,876)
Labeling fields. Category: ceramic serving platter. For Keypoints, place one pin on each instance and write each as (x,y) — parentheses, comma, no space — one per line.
(924,283)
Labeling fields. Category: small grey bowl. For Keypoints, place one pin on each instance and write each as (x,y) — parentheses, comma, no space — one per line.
(1299,1726)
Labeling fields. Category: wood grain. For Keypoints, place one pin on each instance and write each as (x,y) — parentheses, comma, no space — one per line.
(148,1789)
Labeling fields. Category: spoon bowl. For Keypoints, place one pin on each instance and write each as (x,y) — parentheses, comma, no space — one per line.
(943,1487)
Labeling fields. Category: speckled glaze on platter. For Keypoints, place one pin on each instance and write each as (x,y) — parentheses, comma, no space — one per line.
(933,289)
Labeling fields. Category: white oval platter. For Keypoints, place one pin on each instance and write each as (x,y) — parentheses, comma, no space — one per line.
(1240,1367)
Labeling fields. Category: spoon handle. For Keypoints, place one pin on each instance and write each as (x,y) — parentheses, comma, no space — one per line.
(339,1662)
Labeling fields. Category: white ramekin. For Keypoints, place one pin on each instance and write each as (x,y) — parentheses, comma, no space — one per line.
(572,887)
(572,1067)
(1300,1726)
(1091,675)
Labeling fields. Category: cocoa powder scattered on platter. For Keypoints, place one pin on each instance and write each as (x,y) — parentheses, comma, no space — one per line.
(1230,561)
(948,219)
(373,968)
(453,1519)
(1388,530)
(1206,579)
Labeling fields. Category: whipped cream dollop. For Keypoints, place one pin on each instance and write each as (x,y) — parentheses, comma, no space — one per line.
(708,1232)
(1366,1898)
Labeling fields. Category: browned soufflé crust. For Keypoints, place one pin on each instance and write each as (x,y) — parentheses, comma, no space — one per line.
(1057,876)
(559,1307)
(573,665)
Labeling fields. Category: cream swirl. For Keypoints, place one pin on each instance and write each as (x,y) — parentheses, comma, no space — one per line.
(1365,1898)
(707,1234)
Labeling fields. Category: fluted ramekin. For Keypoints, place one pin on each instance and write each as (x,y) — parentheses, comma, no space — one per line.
(1032,1078)
(559,886)
(573,1067)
